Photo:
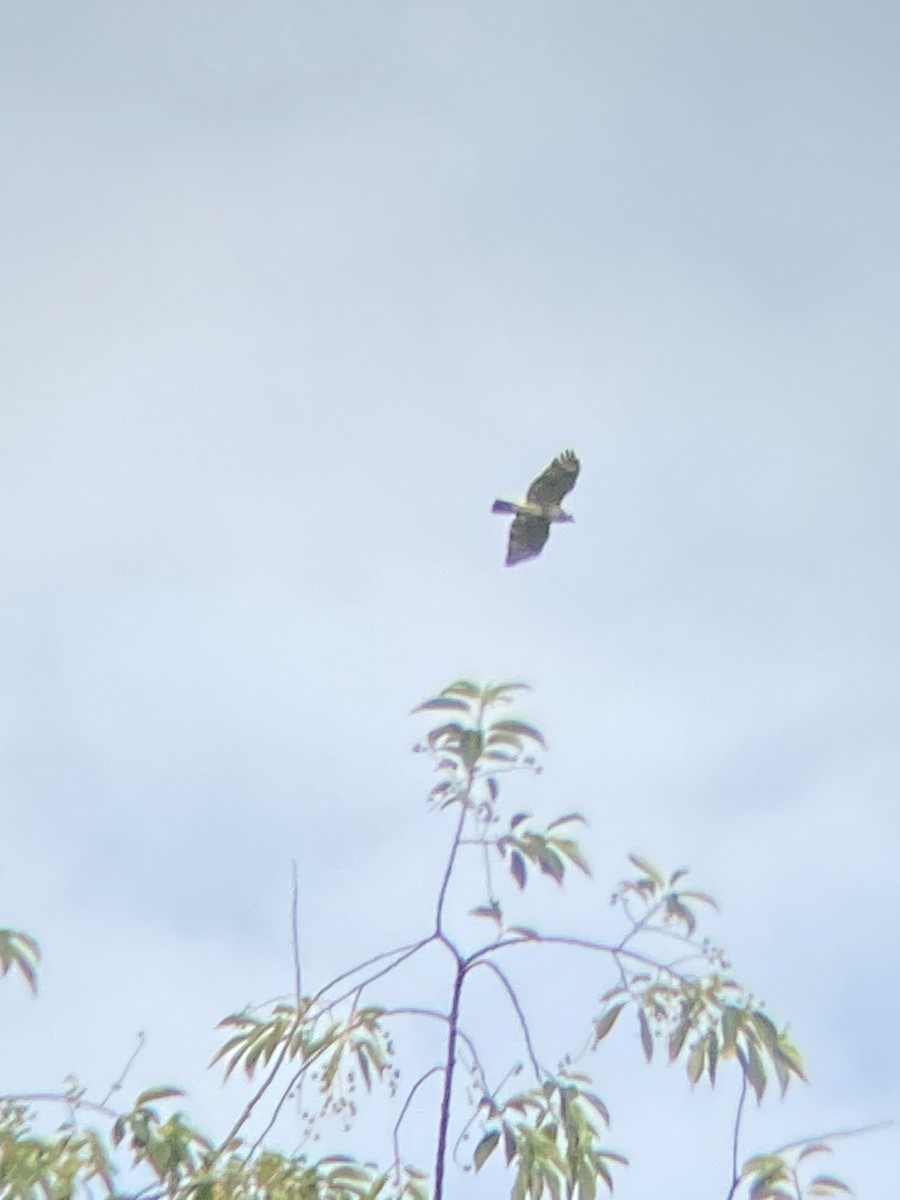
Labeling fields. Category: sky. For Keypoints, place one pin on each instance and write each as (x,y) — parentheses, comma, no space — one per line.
(290,293)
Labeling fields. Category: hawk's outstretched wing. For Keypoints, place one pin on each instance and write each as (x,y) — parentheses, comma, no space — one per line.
(527,537)
(557,481)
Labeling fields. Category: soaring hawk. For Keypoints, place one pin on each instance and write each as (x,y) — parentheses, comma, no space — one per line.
(531,526)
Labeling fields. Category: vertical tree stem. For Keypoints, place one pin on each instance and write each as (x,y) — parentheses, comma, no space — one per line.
(448,1081)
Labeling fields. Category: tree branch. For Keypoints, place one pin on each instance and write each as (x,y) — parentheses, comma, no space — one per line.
(403,1111)
(117,1085)
(295,931)
(735,1138)
(444,1121)
(526,1033)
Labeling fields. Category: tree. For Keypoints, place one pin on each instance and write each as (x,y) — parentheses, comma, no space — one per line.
(663,974)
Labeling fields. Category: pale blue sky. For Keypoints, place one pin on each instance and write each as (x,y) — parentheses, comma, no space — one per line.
(290,292)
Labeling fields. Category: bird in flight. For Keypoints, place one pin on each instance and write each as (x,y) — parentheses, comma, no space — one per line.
(531,525)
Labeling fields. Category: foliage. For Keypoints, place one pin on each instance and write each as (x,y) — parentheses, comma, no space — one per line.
(19,950)
(338,1044)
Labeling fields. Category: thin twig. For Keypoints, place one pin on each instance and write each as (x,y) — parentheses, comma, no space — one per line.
(357,989)
(295,1079)
(58,1098)
(439,1016)
(117,1086)
(402,950)
(448,870)
(514,999)
(477,1112)
(403,1111)
(641,923)
(578,944)
(835,1133)
(795,1145)
(295,930)
(301,1013)
(736,1137)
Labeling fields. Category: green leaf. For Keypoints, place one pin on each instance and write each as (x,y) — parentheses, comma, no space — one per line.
(573,852)
(677,911)
(825,1184)
(518,869)
(587,1180)
(603,1172)
(495,739)
(604,1024)
(768,1034)
(678,1035)
(762,1163)
(509,1142)
(732,1019)
(451,730)
(648,868)
(442,702)
(519,729)
(646,1035)
(754,1070)
(702,897)
(712,1055)
(22,951)
(463,687)
(157,1093)
(363,1061)
(499,691)
(551,864)
(791,1057)
(491,911)
(594,1100)
(485,1148)
(470,746)
(696,1061)
(572,816)
(814,1148)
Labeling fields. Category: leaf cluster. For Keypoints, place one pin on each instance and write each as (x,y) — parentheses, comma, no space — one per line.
(704,1018)
(780,1177)
(38,1167)
(309,1034)
(476,744)
(553,1134)
(548,851)
(173,1149)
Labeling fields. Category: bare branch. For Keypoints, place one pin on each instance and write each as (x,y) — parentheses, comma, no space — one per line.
(514,999)
(835,1133)
(448,870)
(358,989)
(295,930)
(735,1139)
(403,1111)
(444,1121)
(403,951)
(117,1085)
(59,1098)
(577,943)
